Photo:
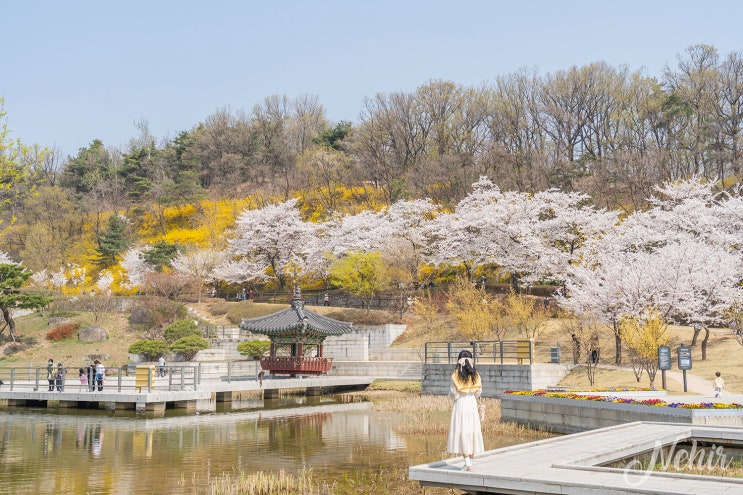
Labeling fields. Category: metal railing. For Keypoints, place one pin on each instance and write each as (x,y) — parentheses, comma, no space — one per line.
(145,379)
(495,351)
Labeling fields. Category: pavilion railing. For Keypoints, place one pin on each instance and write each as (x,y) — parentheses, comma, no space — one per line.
(296,365)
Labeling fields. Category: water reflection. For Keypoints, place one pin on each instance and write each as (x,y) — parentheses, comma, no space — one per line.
(100,452)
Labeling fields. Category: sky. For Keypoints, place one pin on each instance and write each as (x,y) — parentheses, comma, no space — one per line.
(73,71)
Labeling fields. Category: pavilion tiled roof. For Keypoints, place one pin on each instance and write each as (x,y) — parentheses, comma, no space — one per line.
(295,319)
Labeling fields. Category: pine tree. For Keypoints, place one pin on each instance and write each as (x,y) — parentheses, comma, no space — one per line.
(12,277)
(112,242)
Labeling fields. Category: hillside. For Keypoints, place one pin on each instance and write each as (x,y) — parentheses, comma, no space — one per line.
(723,352)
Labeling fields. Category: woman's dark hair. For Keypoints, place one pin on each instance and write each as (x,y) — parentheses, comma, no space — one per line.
(466,370)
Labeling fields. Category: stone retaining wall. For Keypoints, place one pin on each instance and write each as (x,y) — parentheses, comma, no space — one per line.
(572,415)
(496,378)
(357,344)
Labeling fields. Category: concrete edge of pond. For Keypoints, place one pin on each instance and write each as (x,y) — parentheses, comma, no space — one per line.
(575,464)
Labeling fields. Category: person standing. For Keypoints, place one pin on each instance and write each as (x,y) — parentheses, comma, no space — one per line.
(719,384)
(83,377)
(100,374)
(326,299)
(465,430)
(50,374)
(60,377)
(91,376)
(161,366)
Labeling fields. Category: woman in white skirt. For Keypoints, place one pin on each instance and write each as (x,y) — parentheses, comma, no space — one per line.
(465,432)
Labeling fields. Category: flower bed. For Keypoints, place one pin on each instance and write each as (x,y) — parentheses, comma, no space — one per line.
(625,400)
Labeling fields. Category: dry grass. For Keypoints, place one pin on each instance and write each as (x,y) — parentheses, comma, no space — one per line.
(419,416)
(723,354)
(260,483)
(71,351)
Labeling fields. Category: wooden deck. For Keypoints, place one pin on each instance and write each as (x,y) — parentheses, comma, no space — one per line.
(571,464)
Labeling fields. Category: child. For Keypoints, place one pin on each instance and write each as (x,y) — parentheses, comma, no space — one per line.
(83,380)
(719,384)
(60,376)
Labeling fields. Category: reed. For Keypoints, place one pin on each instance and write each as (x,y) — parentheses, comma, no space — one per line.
(259,483)
(425,415)
(430,414)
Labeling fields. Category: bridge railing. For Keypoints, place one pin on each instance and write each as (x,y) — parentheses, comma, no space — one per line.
(495,351)
(145,379)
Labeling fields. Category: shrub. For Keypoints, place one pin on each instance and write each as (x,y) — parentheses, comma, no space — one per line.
(156,312)
(13,348)
(254,348)
(219,308)
(61,332)
(188,346)
(181,328)
(150,350)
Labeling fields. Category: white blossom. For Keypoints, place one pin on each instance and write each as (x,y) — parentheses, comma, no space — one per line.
(105,279)
(135,265)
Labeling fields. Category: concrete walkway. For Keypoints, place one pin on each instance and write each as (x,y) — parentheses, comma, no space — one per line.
(694,384)
(572,464)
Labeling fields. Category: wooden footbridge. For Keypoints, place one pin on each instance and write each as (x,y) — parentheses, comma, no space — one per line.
(183,387)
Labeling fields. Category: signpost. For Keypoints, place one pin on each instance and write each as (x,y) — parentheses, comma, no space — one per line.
(684,360)
(664,362)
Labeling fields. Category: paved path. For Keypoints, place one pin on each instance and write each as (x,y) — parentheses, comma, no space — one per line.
(571,464)
(694,384)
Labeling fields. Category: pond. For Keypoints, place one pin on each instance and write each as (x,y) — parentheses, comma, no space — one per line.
(63,451)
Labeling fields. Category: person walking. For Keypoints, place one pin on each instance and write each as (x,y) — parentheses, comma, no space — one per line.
(465,430)
(100,374)
(719,384)
(50,374)
(326,299)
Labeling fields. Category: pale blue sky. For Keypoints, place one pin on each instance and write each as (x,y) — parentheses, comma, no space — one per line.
(73,71)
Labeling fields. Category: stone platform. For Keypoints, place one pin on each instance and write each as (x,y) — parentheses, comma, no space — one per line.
(575,464)
(567,415)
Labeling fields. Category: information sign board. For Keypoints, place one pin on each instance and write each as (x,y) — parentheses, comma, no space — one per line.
(684,357)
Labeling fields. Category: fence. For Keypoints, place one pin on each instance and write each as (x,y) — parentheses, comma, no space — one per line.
(495,351)
(225,332)
(146,378)
(386,302)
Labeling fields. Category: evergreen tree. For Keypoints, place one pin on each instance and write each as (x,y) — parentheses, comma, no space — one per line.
(112,242)
(12,277)
(161,254)
(91,166)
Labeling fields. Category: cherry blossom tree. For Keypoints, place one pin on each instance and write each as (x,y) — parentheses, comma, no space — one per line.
(135,265)
(274,237)
(199,264)
(532,236)
(485,228)
(677,258)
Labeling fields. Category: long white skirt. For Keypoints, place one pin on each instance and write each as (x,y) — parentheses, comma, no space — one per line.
(465,431)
